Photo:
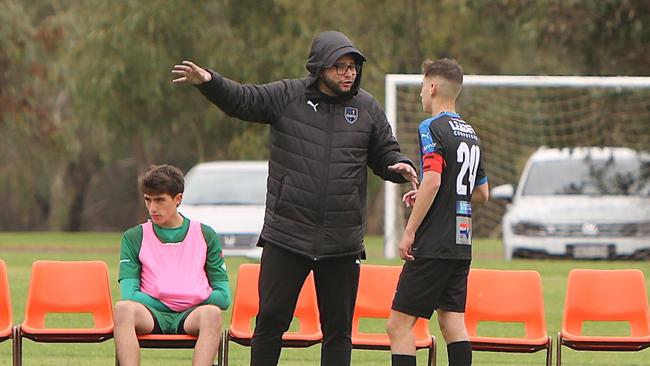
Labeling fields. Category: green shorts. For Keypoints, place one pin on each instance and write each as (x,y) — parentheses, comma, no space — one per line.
(169,322)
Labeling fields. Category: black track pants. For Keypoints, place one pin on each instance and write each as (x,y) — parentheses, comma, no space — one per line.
(281,278)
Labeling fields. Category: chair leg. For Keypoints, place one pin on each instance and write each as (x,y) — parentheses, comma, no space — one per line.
(220,352)
(549,352)
(226,343)
(17,345)
(432,352)
(558,361)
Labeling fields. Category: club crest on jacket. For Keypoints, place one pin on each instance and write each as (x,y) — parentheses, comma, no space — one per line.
(351,114)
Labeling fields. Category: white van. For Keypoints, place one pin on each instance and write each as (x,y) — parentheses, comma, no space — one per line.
(230,197)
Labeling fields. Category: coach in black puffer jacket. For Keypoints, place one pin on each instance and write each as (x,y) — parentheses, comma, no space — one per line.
(316,200)
(325,131)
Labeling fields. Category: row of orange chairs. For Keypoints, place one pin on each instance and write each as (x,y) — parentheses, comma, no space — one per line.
(493,296)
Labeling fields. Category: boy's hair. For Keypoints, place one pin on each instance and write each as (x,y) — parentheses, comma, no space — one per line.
(162,179)
(446,68)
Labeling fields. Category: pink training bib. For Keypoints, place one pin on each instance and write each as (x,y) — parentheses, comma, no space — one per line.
(174,273)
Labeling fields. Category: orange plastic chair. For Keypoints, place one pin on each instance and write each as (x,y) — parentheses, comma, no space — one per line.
(246,306)
(67,287)
(377,286)
(509,297)
(170,341)
(7,329)
(606,296)
(6,315)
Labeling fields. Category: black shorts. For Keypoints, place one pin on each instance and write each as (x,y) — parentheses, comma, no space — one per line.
(427,284)
(174,323)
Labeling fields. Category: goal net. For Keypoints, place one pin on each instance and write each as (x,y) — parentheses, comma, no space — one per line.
(513,116)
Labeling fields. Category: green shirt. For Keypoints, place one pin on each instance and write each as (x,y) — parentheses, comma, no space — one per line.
(130,266)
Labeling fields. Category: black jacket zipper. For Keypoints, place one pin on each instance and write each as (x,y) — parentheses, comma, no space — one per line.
(325,182)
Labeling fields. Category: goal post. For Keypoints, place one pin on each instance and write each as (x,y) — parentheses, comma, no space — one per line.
(515,114)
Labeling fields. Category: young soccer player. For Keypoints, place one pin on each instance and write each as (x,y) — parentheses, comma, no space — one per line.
(172,277)
(437,239)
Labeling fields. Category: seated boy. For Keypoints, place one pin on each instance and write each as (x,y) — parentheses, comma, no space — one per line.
(172,277)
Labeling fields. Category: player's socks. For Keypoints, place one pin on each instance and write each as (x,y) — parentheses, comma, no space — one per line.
(402,360)
(459,353)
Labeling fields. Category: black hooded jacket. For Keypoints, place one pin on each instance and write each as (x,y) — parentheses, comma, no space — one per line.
(320,147)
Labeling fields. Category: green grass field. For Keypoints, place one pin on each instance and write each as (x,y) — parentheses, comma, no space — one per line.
(19,250)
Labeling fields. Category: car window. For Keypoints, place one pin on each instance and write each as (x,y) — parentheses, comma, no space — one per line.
(225,188)
(623,176)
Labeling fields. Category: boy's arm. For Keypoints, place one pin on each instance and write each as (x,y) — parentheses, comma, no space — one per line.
(220,296)
(130,268)
(425,196)
(215,268)
(481,193)
(130,265)
(130,289)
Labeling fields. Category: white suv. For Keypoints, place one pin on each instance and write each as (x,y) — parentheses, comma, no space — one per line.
(229,196)
(591,203)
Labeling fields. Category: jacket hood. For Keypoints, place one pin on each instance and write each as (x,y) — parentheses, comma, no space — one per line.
(326,48)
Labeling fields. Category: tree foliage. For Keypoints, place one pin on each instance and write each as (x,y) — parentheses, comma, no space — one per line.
(87,103)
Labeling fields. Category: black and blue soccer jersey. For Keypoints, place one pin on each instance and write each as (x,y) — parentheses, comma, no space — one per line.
(450,146)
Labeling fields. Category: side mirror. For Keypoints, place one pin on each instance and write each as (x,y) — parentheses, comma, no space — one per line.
(503,192)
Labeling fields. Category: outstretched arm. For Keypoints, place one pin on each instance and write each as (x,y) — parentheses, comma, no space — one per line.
(255,103)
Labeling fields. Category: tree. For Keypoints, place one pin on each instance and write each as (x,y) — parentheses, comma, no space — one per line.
(87,103)
(40,133)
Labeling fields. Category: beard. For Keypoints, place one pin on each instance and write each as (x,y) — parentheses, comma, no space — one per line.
(334,87)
